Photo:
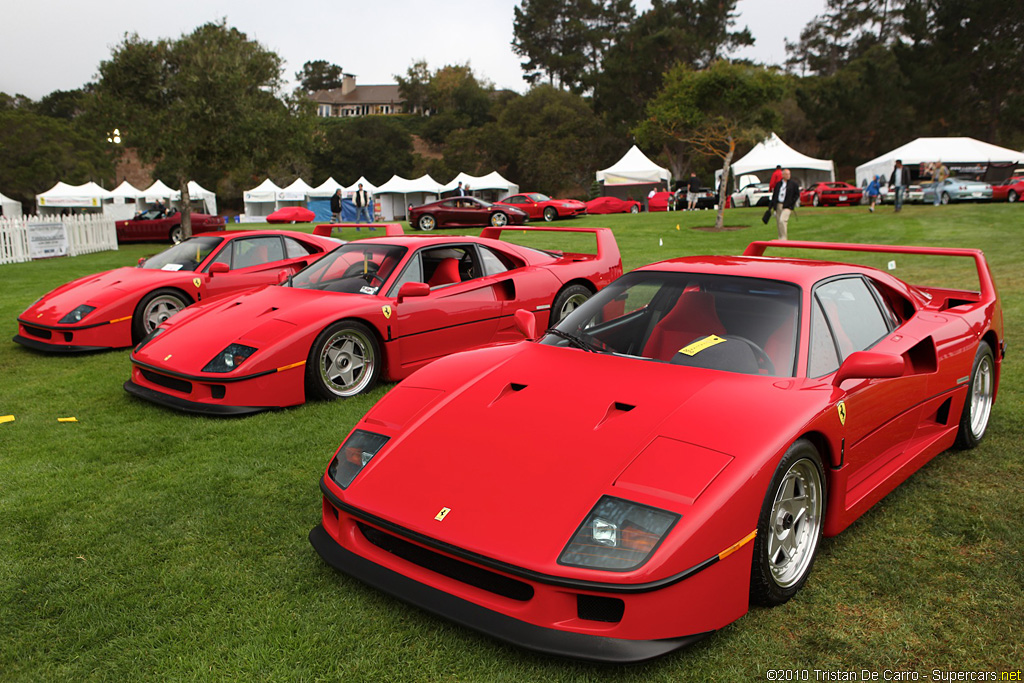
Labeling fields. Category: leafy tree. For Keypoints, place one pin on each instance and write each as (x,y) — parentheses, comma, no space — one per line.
(415,87)
(846,31)
(319,75)
(203,106)
(453,94)
(713,111)
(14,102)
(63,104)
(566,40)
(375,146)
(692,32)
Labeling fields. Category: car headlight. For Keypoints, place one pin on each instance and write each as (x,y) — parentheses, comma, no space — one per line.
(230,358)
(358,449)
(77,314)
(617,535)
(156,332)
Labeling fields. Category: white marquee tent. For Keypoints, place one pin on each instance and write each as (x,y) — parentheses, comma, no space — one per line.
(260,201)
(326,188)
(89,197)
(198,194)
(398,193)
(965,155)
(11,207)
(125,201)
(632,176)
(772,152)
(367,185)
(296,194)
(491,181)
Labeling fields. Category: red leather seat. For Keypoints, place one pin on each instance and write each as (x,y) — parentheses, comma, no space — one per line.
(692,317)
(446,273)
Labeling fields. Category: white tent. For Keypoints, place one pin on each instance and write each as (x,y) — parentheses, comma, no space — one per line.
(632,176)
(11,207)
(772,152)
(367,185)
(963,155)
(62,196)
(326,189)
(295,194)
(398,193)
(491,181)
(260,201)
(158,191)
(198,194)
(125,201)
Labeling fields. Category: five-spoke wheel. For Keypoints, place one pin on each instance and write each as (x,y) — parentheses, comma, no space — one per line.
(343,361)
(155,308)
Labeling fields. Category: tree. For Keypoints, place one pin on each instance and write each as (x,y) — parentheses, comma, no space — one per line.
(202,107)
(453,95)
(415,87)
(375,146)
(846,31)
(691,32)
(713,111)
(319,75)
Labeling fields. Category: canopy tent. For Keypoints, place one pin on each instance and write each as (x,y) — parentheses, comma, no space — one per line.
(413,192)
(198,194)
(367,185)
(492,181)
(89,197)
(326,188)
(11,208)
(632,176)
(960,155)
(157,192)
(125,201)
(320,202)
(772,152)
(260,201)
(295,194)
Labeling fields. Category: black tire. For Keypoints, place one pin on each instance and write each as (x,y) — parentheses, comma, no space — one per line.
(499,219)
(177,234)
(155,308)
(945,198)
(352,369)
(426,223)
(980,396)
(789,526)
(567,301)
(550,214)
(1012,196)
(634,209)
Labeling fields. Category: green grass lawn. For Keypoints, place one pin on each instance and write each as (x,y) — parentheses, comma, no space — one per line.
(142,544)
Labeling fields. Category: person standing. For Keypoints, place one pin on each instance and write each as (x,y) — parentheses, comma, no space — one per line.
(692,192)
(784,199)
(776,177)
(899,180)
(362,199)
(939,176)
(461,192)
(336,206)
(874,190)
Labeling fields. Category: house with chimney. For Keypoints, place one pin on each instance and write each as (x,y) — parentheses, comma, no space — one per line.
(358,100)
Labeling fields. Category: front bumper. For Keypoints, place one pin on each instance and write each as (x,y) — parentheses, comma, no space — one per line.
(75,339)
(187,406)
(40,345)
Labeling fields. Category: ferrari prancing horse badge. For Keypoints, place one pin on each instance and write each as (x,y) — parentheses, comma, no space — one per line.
(196,281)
(386,310)
(442,514)
(841,409)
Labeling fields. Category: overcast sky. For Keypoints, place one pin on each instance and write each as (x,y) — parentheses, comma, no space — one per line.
(52,45)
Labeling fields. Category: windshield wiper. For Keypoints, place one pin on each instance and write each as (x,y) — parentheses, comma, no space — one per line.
(573,339)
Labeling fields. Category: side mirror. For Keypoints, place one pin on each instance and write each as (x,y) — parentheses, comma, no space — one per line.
(282,275)
(219,267)
(526,322)
(413,289)
(869,365)
(142,261)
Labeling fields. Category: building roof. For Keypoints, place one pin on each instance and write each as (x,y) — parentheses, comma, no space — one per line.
(362,94)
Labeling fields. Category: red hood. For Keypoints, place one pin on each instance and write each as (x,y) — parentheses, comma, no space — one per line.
(528,445)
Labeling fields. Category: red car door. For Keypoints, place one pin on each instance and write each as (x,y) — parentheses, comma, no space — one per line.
(253,261)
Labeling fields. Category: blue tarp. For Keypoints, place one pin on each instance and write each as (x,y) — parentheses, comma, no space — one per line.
(322,209)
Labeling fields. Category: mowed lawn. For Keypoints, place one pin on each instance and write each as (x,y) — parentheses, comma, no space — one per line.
(142,544)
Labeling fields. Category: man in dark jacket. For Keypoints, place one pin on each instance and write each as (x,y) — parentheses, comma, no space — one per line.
(784,199)
(336,207)
(899,180)
(362,199)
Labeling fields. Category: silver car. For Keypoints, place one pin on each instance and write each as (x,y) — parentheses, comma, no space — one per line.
(755,194)
(957,190)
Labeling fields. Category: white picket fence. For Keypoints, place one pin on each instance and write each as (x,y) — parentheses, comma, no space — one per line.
(85,233)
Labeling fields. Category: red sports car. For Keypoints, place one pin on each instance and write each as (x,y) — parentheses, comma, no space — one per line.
(613,205)
(380,307)
(119,307)
(462,212)
(831,194)
(1010,191)
(292,214)
(538,206)
(669,452)
(154,226)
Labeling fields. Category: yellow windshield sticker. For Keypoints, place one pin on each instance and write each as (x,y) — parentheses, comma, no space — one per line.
(841,409)
(701,344)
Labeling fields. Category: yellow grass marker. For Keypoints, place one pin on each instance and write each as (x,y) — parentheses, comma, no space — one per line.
(6,418)
(67,419)
(677,226)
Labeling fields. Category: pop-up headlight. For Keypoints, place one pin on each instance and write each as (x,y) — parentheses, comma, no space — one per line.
(617,535)
(358,449)
(77,314)
(230,358)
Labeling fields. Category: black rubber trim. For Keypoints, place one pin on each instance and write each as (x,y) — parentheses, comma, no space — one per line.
(189,406)
(538,577)
(57,348)
(495,624)
(212,378)
(64,328)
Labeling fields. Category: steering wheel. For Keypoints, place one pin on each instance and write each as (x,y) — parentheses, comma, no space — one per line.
(356,270)
(763,361)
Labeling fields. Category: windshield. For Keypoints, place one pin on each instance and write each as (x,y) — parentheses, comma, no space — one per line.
(719,322)
(538,197)
(185,256)
(355,268)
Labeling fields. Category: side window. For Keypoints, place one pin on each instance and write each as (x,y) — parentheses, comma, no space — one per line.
(823,357)
(516,200)
(492,262)
(225,254)
(853,314)
(413,273)
(257,251)
(295,249)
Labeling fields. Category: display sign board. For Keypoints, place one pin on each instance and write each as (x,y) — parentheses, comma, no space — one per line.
(46,240)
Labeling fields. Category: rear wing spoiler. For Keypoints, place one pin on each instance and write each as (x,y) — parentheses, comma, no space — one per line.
(390,229)
(988,287)
(607,247)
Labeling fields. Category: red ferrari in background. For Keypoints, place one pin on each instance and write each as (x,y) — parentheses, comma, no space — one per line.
(1010,191)
(119,307)
(668,453)
(613,205)
(830,194)
(292,214)
(375,308)
(154,226)
(462,212)
(537,206)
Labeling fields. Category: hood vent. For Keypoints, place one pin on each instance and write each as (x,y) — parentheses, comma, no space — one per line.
(510,388)
(615,409)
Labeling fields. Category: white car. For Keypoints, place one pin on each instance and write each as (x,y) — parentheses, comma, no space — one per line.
(755,194)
